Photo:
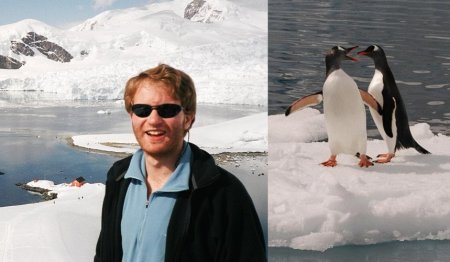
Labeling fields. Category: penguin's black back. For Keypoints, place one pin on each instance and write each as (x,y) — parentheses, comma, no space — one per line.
(390,89)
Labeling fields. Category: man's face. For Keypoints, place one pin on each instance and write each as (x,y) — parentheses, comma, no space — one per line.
(157,136)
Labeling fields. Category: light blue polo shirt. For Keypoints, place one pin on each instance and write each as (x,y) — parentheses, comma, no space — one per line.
(144,228)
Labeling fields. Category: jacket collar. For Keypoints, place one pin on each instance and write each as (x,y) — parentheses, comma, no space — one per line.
(203,168)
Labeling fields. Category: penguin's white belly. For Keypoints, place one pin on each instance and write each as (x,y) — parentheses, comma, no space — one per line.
(345,116)
(375,89)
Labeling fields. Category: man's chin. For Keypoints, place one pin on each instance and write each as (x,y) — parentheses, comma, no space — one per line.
(157,150)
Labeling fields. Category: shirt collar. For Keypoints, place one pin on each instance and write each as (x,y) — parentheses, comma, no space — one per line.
(178,180)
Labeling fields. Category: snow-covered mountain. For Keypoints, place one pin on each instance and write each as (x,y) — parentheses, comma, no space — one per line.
(225,54)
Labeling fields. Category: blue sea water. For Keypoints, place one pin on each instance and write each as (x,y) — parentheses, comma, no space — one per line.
(413,251)
(414,35)
(34,145)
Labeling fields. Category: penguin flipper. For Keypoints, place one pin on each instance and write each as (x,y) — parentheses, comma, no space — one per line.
(370,101)
(388,111)
(306,101)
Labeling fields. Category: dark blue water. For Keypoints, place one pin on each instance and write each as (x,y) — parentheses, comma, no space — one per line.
(414,35)
(33,145)
(414,251)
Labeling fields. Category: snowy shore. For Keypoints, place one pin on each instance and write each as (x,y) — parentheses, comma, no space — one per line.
(312,207)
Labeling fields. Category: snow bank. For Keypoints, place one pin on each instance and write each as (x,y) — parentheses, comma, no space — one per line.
(54,230)
(246,134)
(312,207)
(117,143)
(311,129)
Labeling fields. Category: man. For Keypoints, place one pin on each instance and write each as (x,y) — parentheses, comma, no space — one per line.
(170,201)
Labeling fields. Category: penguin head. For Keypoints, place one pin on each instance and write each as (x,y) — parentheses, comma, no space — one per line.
(338,53)
(375,52)
(335,56)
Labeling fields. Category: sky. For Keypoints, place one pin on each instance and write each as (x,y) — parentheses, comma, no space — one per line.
(60,13)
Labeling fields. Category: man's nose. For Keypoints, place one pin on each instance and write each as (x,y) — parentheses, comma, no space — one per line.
(154,117)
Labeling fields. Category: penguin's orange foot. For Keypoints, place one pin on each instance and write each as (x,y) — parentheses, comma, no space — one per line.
(364,162)
(330,163)
(384,158)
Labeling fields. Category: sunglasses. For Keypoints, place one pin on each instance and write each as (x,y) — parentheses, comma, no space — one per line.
(164,110)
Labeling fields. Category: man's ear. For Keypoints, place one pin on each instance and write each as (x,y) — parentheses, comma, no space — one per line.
(188,121)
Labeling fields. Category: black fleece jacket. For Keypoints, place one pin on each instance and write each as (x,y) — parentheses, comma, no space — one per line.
(215,220)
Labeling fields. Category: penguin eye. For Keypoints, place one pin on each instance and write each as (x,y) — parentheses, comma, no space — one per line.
(333,50)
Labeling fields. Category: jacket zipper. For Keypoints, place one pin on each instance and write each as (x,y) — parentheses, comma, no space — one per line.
(147,202)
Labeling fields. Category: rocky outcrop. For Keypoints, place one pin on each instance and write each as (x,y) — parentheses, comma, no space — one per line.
(45,193)
(32,38)
(27,47)
(192,8)
(20,48)
(47,48)
(7,62)
(202,11)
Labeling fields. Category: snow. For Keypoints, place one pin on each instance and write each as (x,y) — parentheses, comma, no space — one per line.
(246,134)
(312,207)
(224,58)
(101,142)
(104,112)
(55,230)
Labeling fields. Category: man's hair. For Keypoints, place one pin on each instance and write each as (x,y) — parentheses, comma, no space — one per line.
(180,84)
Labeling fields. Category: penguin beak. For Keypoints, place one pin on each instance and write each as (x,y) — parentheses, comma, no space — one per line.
(348,50)
(363,53)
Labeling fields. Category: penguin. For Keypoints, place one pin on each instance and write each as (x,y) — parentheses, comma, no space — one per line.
(343,106)
(393,123)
